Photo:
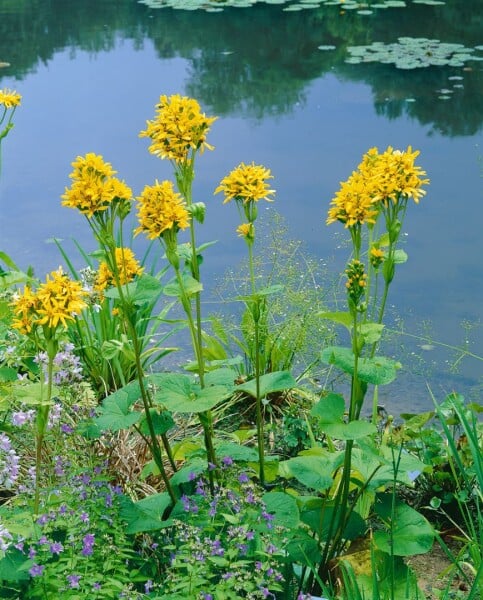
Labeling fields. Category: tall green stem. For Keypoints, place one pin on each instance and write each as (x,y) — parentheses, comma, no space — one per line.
(256,322)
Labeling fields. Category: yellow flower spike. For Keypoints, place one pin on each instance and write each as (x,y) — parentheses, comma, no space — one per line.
(9,98)
(128,268)
(246,183)
(179,129)
(161,209)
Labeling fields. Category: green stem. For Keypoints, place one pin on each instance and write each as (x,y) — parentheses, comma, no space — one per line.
(259,410)
(206,418)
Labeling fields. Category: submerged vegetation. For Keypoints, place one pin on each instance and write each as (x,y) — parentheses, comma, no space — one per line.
(253,471)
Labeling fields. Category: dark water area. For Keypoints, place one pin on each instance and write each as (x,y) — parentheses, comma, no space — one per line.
(288,97)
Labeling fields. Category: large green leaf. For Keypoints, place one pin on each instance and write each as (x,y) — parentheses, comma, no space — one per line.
(237,452)
(146,514)
(191,286)
(14,566)
(315,472)
(284,507)
(407,533)
(378,370)
(330,413)
(179,393)
(277,381)
(319,519)
(162,422)
(342,318)
(115,412)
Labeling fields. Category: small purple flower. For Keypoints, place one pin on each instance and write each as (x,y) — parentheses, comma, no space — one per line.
(73,580)
(227,461)
(43,520)
(84,517)
(96,586)
(243,478)
(88,544)
(56,548)
(36,570)
(148,586)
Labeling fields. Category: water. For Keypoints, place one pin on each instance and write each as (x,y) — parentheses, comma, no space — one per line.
(91,72)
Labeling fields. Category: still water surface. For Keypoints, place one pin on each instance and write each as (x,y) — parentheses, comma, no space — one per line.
(91,72)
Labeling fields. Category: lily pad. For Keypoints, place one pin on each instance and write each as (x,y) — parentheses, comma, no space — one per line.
(412,53)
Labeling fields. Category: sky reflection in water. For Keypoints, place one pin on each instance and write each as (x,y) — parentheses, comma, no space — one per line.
(309,125)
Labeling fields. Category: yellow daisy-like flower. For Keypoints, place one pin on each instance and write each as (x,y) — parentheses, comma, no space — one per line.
(245,230)
(10,98)
(127,265)
(54,303)
(161,209)
(179,128)
(353,203)
(246,183)
(94,187)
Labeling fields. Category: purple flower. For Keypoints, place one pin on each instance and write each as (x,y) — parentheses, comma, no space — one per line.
(36,570)
(56,548)
(84,517)
(227,461)
(243,478)
(43,520)
(73,580)
(148,586)
(88,544)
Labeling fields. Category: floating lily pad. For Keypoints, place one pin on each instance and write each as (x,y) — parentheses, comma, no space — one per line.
(328,47)
(412,53)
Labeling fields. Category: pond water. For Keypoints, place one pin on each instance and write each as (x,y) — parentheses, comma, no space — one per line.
(291,93)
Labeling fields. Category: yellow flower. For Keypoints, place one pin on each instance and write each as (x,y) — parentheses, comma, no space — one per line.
(24,309)
(93,186)
(9,98)
(245,230)
(379,178)
(161,209)
(127,266)
(376,256)
(353,203)
(246,183)
(55,302)
(394,174)
(179,128)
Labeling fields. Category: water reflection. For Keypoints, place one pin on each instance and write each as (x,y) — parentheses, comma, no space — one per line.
(90,73)
(260,61)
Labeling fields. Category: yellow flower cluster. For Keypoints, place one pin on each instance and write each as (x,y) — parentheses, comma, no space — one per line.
(246,183)
(55,302)
(178,129)
(9,98)
(94,186)
(353,203)
(380,178)
(161,209)
(127,268)
(394,174)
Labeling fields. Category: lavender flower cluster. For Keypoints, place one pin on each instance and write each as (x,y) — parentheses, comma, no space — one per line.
(225,540)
